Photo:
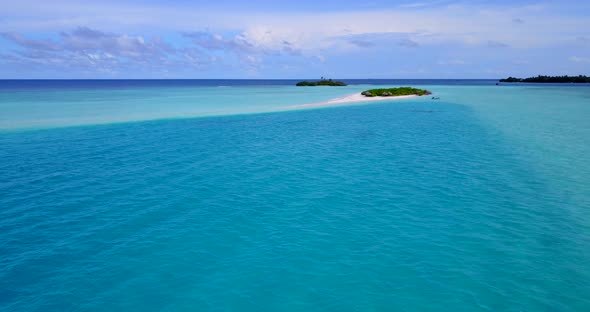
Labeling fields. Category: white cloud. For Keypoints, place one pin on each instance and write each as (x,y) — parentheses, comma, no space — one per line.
(579,59)
(90,49)
(452,62)
(467,23)
(424,4)
(521,62)
(130,33)
(497,44)
(518,20)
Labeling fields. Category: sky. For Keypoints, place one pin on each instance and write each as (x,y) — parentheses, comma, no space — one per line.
(264,39)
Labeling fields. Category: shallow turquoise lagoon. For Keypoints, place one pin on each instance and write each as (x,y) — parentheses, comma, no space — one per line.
(477,202)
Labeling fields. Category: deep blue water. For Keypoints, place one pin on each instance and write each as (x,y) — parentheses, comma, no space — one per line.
(477,202)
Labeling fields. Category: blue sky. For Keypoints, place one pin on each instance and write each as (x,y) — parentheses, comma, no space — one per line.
(293,39)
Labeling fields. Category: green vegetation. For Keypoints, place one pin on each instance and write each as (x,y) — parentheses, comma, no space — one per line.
(396,92)
(550,79)
(322,82)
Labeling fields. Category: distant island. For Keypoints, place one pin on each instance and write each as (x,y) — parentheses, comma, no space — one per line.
(395,92)
(321,82)
(550,79)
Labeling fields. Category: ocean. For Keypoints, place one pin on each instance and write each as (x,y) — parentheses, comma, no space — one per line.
(219,195)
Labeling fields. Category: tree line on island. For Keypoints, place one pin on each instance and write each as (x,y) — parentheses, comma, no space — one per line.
(550,79)
(395,92)
(321,82)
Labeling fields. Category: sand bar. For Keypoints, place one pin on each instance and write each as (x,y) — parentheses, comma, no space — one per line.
(353,98)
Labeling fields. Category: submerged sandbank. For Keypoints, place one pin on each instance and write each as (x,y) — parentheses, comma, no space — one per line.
(353,98)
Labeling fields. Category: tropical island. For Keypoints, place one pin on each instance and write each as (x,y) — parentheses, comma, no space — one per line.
(321,82)
(395,92)
(550,79)
(389,94)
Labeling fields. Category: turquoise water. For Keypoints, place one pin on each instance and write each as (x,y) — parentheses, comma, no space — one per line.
(477,202)
(57,107)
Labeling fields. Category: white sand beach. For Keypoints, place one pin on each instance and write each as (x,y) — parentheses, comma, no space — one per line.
(353,98)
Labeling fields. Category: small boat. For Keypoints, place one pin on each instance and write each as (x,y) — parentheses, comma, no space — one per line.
(435,98)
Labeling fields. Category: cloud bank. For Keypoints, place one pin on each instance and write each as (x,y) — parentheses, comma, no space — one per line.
(186,40)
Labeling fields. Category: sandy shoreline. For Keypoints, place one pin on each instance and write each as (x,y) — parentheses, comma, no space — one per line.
(353,98)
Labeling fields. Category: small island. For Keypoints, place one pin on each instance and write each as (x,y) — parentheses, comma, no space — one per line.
(395,92)
(321,82)
(550,79)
